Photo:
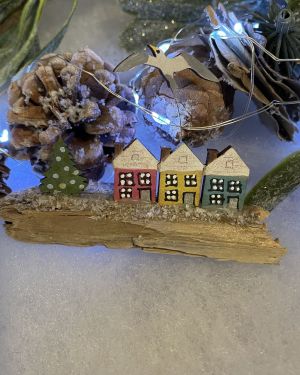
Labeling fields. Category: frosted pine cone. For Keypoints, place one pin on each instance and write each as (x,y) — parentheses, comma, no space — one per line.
(199,102)
(59,98)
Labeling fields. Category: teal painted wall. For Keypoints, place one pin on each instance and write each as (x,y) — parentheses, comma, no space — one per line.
(225,194)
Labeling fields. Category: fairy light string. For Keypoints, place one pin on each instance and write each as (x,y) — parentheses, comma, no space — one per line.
(222,32)
(218,33)
(272,104)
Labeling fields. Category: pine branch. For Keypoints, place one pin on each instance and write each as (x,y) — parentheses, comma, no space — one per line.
(19,21)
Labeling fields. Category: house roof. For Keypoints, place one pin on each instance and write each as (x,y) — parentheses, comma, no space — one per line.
(228,163)
(182,159)
(135,156)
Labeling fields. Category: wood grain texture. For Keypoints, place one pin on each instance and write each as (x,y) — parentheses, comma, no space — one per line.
(247,244)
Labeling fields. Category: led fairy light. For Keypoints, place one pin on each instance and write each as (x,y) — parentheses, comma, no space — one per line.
(223,32)
(151,113)
(165,121)
(220,33)
(4,136)
(158,118)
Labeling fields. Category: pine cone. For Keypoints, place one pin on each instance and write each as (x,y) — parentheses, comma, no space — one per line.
(234,59)
(280,25)
(200,103)
(59,98)
(4,174)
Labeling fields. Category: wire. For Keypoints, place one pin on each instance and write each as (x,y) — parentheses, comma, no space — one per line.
(267,107)
(235,120)
(246,115)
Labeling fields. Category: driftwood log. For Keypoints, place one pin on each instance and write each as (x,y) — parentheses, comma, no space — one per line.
(222,240)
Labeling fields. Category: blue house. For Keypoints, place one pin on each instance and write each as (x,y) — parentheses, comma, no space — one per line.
(225,179)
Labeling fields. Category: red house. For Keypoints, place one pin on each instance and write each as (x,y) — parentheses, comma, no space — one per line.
(135,173)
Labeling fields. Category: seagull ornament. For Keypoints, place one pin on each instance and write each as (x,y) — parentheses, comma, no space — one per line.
(166,65)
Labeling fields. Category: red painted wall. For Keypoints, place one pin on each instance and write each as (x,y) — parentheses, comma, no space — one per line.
(136,184)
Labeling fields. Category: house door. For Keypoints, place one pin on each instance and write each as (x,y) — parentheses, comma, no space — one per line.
(233,203)
(189,198)
(145,195)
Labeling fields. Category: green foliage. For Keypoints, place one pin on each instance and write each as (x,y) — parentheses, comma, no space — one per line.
(276,184)
(19,21)
(157,20)
(7,7)
(62,176)
(293,4)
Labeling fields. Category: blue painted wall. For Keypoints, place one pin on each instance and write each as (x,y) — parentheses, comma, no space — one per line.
(218,190)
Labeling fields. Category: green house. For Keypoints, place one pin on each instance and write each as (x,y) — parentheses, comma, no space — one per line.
(225,179)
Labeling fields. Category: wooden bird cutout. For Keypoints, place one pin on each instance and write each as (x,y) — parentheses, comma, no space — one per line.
(167,66)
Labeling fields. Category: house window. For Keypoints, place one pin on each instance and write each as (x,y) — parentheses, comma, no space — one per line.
(171,180)
(171,196)
(229,164)
(190,180)
(126,179)
(183,159)
(125,193)
(234,187)
(216,199)
(135,157)
(217,184)
(145,179)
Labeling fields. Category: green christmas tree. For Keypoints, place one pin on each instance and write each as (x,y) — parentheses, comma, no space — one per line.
(62,176)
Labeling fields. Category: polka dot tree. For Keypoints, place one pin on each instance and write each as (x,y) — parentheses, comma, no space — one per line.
(62,175)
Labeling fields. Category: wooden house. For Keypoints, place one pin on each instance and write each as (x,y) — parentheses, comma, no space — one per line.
(180,177)
(135,173)
(225,179)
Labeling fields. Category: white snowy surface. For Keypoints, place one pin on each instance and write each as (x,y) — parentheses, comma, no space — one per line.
(95,311)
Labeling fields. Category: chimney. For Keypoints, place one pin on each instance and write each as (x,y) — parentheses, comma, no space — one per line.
(212,155)
(164,153)
(118,149)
